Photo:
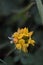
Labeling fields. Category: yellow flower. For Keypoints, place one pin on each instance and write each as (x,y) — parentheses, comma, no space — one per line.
(23,45)
(22,39)
(30,34)
(24,48)
(20,36)
(20,31)
(25,31)
(15,40)
(31,41)
(18,46)
(15,35)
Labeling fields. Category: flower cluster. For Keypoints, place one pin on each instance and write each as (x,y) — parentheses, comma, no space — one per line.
(22,39)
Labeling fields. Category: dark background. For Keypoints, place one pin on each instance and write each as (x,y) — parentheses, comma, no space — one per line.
(14,15)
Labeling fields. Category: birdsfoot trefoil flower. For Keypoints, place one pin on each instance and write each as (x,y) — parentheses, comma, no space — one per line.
(22,39)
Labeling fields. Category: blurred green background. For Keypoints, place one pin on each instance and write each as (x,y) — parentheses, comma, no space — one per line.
(16,14)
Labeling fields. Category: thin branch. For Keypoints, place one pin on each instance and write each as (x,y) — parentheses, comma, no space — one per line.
(10,52)
(24,9)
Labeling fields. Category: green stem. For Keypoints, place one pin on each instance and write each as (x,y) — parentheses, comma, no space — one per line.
(24,9)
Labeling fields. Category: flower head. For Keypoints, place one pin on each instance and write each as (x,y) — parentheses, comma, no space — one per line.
(22,39)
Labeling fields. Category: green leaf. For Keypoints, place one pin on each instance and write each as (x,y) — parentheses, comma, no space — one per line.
(17,58)
(27,59)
